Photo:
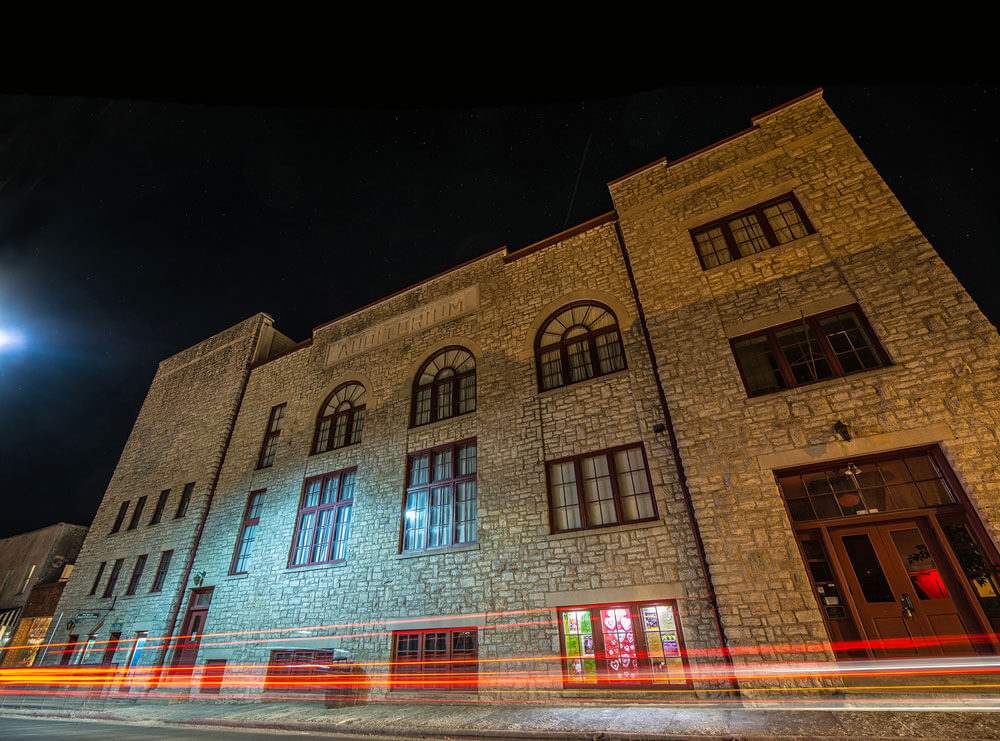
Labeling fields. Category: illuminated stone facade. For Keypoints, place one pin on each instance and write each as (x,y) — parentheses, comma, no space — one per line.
(522,567)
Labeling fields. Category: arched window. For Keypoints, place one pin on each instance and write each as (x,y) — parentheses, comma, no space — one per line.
(341,419)
(445,386)
(577,343)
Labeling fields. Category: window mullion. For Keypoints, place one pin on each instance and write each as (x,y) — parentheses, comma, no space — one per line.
(765,225)
(619,514)
(779,355)
(734,251)
(578,469)
(826,347)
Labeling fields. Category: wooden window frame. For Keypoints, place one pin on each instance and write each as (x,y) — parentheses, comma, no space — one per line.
(590,337)
(829,355)
(97,579)
(435,386)
(212,676)
(451,482)
(334,506)
(113,579)
(140,505)
(581,497)
(352,415)
(642,654)
(161,571)
(765,225)
(269,446)
(182,506)
(247,522)
(299,669)
(441,666)
(140,565)
(120,518)
(161,504)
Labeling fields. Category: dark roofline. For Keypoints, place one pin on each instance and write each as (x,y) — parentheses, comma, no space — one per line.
(565,234)
(753,122)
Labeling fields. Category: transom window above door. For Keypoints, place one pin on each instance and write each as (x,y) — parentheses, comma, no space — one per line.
(912,480)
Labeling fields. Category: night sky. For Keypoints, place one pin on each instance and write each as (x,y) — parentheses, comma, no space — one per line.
(134,225)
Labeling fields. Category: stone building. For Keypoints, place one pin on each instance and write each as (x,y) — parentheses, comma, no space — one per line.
(34,567)
(748,414)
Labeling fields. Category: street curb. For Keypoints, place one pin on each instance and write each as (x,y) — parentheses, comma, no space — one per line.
(441,734)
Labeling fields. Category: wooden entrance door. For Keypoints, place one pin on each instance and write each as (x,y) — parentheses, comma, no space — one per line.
(909,600)
(191,631)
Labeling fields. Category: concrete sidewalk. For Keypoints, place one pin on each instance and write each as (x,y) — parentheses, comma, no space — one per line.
(975,719)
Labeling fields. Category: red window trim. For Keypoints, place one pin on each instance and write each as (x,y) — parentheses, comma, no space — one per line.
(246,522)
(434,386)
(441,666)
(758,211)
(120,518)
(828,353)
(212,676)
(140,565)
(298,670)
(140,505)
(634,610)
(581,499)
(590,337)
(271,435)
(161,504)
(455,479)
(335,505)
(113,579)
(97,579)
(161,571)
(182,506)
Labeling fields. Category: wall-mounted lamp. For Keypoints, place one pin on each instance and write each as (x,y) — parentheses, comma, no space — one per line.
(70,624)
(659,427)
(851,469)
(199,578)
(842,430)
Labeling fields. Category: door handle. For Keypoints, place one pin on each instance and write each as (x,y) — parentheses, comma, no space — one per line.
(908,612)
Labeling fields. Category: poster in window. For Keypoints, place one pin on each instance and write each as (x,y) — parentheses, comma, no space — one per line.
(572,645)
(650,619)
(588,645)
(670,647)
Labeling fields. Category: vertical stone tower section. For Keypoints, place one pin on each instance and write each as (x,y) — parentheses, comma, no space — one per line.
(171,459)
(937,385)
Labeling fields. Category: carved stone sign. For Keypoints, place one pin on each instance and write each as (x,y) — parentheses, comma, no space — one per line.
(439,311)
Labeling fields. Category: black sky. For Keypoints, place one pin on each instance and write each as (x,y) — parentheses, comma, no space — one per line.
(132,226)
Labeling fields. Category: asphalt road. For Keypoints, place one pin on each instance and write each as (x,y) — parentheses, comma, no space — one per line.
(15,729)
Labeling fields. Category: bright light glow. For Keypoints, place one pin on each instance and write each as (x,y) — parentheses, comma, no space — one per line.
(10,338)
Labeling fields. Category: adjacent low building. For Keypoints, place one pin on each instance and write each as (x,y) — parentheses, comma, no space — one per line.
(749,414)
(34,568)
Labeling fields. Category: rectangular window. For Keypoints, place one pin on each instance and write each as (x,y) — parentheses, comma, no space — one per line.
(27,578)
(120,518)
(746,233)
(324,519)
(161,571)
(211,678)
(632,643)
(115,570)
(865,487)
(439,508)
(813,348)
(298,671)
(270,445)
(608,487)
(436,660)
(161,504)
(133,583)
(97,579)
(248,532)
(182,506)
(140,504)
